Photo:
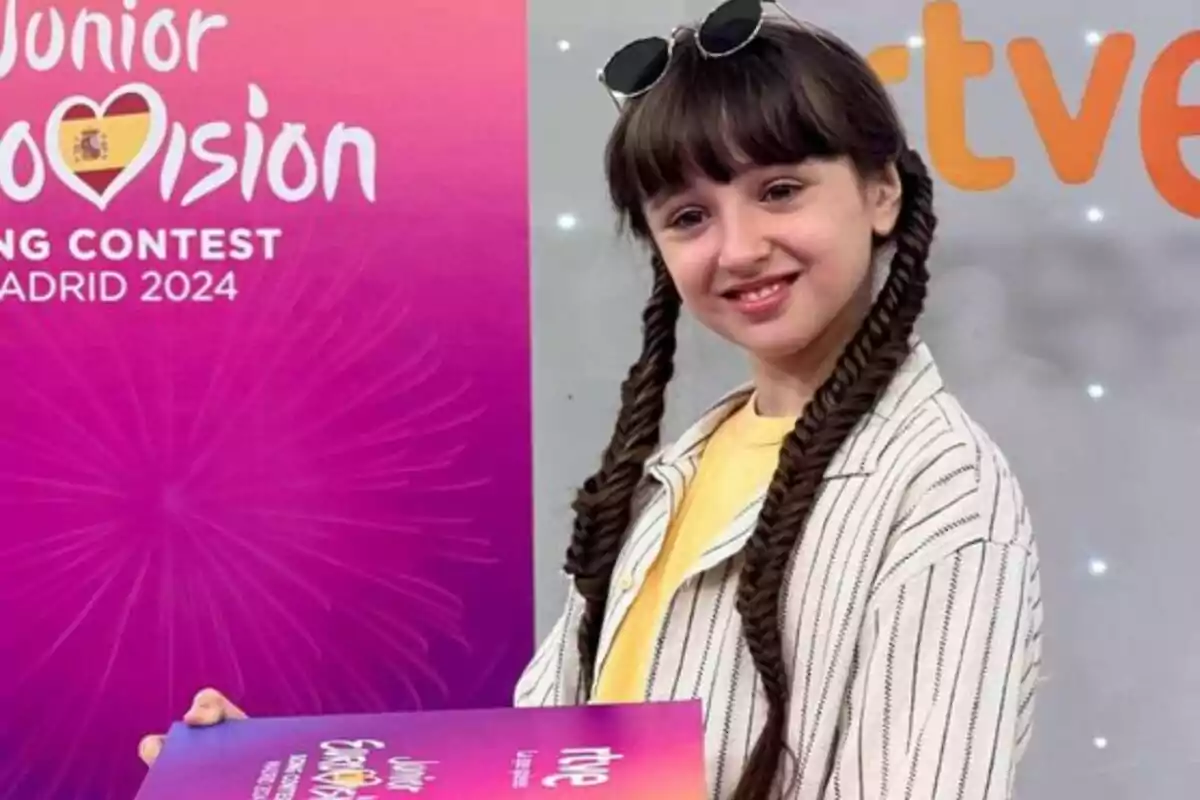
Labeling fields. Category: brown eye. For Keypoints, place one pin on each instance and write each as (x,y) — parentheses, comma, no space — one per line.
(688,218)
(782,192)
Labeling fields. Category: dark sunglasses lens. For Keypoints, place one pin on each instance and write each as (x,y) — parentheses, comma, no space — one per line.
(637,66)
(730,26)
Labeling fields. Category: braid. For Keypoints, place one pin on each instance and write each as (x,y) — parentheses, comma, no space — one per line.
(603,506)
(863,372)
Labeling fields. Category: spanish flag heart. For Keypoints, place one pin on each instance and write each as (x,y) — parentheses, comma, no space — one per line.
(98,148)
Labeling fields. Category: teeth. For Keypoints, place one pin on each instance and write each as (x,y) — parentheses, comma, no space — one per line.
(761,292)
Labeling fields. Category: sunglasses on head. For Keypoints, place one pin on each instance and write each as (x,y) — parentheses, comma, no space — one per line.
(638,66)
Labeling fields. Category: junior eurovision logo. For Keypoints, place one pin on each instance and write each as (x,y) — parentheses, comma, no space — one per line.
(97,148)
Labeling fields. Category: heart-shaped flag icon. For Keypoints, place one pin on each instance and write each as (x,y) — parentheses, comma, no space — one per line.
(96,149)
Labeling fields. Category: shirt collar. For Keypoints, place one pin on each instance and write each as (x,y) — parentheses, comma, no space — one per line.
(915,382)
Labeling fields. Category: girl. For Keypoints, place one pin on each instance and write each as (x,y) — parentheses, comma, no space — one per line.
(835,558)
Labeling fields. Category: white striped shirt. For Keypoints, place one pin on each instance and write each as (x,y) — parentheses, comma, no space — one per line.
(911,613)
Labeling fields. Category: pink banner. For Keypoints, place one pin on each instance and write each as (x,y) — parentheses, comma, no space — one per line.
(264,317)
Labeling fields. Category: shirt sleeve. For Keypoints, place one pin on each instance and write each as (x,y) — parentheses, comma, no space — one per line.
(941,706)
(552,676)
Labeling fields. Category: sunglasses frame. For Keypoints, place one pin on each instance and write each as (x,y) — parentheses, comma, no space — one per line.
(670,42)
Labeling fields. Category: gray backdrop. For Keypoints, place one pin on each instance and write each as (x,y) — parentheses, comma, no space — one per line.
(1067,318)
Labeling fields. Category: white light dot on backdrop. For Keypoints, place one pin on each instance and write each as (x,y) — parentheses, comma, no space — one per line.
(566,222)
(1098,567)
(916,42)
(1095,391)
(1094,38)
(1095,214)
(564,45)
(1100,743)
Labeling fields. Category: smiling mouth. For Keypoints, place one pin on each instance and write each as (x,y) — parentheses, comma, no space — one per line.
(760,290)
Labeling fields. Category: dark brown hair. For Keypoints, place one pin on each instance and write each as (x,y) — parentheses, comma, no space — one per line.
(792,94)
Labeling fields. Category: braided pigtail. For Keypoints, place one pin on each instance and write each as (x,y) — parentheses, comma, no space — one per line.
(863,372)
(603,506)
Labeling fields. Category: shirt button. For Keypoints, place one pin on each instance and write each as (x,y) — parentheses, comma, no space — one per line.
(626,583)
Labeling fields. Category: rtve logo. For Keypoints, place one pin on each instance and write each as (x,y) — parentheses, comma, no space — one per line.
(1074,142)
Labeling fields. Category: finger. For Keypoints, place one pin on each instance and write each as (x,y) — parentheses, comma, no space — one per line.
(203,714)
(210,707)
(233,712)
(149,748)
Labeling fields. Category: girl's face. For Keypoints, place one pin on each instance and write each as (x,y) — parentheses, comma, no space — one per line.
(779,255)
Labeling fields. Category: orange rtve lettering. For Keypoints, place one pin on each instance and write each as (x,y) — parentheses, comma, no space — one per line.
(1074,144)
(890,63)
(949,61)
(1164,123)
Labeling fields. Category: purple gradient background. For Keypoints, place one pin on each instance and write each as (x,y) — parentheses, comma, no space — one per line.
(317,497)
(661,747)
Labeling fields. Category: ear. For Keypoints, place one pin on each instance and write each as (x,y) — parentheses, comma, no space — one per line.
(884,195)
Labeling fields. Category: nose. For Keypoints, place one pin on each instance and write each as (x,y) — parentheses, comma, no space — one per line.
(744,244)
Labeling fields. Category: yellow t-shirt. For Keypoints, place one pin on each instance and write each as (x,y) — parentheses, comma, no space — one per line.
(737,463)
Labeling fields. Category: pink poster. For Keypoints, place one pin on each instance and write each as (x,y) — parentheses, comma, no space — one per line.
(628,752)
(264,318)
